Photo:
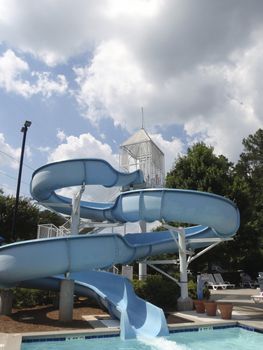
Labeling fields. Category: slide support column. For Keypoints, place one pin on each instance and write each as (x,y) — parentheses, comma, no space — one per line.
(75,213)
(66,297)
(184,302)
(6,299)
(142,266)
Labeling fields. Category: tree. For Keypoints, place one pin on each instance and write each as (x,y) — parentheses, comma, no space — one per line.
(249,175)
(250,167)
(49,217)
(26,222)
(28,217)
(200,169)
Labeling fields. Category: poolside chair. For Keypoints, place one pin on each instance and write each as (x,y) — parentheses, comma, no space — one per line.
(257,298)
(210,281)
(247,281)
(219,280)
(260,280)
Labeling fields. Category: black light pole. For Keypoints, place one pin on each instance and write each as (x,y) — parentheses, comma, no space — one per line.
(24,131)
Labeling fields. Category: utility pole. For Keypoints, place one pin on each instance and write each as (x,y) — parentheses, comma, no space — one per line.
(24,131)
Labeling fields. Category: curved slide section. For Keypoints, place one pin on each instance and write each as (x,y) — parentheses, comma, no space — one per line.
(77,253)
(114,292)
(54,256)
(75,172)
(187,206)
(64,255)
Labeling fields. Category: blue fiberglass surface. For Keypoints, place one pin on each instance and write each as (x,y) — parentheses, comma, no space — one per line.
(35,262)
(229,338)
(151,204)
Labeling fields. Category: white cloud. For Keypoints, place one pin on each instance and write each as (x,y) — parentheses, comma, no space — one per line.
(53,34)
(171,149)
(11,68)
(196,64)
(108,84)
(46,86)
(236,110)
(51,30)
(217,103)
(8,190)
(44,149)
(61,135)
(9,156)
(141,8)
(84,146)
(12,71)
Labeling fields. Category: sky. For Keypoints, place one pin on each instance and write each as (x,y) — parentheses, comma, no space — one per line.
(80,71)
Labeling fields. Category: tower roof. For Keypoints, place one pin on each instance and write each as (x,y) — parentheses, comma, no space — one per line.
(138,137)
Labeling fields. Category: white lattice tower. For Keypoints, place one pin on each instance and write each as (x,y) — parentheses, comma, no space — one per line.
(140,152)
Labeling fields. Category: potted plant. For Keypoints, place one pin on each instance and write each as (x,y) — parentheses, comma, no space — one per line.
(210,307)
(199,306)
(226,310)
(198,300)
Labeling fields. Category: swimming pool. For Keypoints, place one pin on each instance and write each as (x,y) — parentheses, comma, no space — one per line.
(229,338)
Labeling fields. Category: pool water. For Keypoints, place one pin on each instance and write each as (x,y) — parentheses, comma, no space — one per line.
(220,339)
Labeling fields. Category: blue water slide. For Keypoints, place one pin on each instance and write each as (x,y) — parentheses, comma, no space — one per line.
(150,204)
(35,260)
(53,256)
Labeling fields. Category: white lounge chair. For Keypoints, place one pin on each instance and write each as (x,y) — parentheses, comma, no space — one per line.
(257,298)
(260,280)
(219,280)
(209,278)
(247,282)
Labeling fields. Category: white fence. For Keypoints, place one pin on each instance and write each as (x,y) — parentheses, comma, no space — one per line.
(50,230)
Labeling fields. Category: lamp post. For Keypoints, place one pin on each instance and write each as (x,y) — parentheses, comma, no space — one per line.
(24,131)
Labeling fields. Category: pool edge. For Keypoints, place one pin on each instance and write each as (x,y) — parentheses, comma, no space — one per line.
(85,334)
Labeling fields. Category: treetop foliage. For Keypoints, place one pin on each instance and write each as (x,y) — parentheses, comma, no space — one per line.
(28,217)
(200,169)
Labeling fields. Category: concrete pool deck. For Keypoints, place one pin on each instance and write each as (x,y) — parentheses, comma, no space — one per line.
(245,313)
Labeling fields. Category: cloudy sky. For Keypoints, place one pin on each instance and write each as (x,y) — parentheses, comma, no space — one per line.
(81,70)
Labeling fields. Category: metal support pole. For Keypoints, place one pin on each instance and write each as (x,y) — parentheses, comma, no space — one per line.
(66,296)
(164,273)
(66,300)
(184,302)
(75,213)
(142,266)
(183,263)
(6,299)
(24,130)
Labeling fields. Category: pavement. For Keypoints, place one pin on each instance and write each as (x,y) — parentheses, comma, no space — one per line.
(245,311)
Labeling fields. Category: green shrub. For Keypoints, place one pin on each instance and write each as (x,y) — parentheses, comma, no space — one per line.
(164,293)
(158,291)
(192,289)
(32,297)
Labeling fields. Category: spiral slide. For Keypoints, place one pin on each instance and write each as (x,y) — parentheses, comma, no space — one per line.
(33,263)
